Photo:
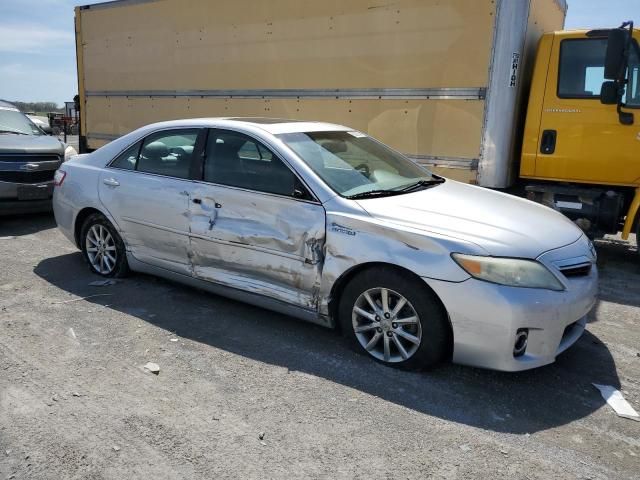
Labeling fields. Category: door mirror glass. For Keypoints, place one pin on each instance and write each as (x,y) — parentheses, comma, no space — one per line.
(614,59)
(609,94)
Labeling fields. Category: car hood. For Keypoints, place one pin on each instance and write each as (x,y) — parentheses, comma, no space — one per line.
(501,224)
(10,143)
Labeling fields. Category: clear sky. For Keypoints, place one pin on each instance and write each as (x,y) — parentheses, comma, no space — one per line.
(37,49)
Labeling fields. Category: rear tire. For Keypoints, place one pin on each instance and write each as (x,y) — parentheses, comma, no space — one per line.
(395,319)
(103,248)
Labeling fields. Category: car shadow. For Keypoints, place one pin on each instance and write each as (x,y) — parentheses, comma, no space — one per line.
(517,403)
(619,269)
(25,224)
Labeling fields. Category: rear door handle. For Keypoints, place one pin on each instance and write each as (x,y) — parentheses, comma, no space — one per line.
(111,182)
(212,220)
(548,142)
(197,200)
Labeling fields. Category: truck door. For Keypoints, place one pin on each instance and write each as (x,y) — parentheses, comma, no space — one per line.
(580,139)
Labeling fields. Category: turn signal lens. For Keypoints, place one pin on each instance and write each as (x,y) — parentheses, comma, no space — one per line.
(472,266)
(59,177)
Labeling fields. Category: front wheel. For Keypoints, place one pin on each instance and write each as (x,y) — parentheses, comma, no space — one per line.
(395,319)
(102,247)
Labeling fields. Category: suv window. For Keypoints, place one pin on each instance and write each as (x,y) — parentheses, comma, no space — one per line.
(582,70)
(168,153)
(237,160)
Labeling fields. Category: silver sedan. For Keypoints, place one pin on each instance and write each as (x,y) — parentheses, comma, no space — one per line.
(326,224)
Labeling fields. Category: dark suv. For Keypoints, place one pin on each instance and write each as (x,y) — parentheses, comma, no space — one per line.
(28,161)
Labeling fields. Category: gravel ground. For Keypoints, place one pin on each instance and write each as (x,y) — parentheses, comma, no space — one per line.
(245,393)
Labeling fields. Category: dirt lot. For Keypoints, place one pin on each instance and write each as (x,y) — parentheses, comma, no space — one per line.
(75,401)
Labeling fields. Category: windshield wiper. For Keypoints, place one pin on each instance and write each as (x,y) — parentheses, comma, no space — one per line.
(18,132)
(373,194)
(421,184)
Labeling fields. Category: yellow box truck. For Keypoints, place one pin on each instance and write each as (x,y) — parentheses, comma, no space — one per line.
(490,92)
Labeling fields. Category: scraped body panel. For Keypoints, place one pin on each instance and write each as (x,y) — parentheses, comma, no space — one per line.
(258,242)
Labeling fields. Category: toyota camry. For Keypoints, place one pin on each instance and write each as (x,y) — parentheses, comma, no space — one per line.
(326,224)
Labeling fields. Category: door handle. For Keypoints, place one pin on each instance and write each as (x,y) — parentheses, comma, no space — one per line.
(548,142)
(111,182)
(197,200)
(212,220)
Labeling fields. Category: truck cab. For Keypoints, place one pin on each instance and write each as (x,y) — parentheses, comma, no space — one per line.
(581,143)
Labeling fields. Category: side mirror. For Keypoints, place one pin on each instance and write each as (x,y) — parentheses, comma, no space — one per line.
(46,129)
(615,61)
(609,94)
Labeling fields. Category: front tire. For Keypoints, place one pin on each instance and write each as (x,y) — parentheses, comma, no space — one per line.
(395,319)
(103,248)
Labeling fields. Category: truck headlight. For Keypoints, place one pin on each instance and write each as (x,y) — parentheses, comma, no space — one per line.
(513,272)
(69,152)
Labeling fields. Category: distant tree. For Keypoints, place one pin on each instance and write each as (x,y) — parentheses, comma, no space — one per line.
(37,107)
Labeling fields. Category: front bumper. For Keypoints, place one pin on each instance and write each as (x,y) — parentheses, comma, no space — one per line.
(10,204)
(19,207)
(486,317)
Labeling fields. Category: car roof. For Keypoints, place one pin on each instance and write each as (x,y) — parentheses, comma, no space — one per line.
(7,105)
(271,125)
(276,126)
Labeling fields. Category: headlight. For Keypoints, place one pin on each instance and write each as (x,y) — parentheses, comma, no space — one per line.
(513,272)
(69,152)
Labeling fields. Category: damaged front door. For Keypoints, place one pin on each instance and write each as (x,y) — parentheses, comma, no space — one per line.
(254,225)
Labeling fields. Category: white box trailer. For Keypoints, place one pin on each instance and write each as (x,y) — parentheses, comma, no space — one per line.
(444,82)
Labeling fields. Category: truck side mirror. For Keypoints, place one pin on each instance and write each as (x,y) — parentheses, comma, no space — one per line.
(615,61)
(609,94)
(46,129)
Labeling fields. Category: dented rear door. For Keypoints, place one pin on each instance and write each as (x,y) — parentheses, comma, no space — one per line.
(258,241)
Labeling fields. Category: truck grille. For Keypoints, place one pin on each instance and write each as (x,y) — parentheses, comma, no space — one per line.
(581,270)
(27,177)
(12,167)
(35,158)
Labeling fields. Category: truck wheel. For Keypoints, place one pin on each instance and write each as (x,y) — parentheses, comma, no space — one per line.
(103,248)
(394,318)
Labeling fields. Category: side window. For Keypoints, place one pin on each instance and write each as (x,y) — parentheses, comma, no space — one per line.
(127,159)
(168,153)
(581,67)
(237,160)
(582,70)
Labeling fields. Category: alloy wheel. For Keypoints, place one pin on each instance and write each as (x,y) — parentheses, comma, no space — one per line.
(386,325)
(101,249)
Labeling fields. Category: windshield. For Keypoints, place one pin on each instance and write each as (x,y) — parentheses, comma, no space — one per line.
(355,165)
(13,121)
